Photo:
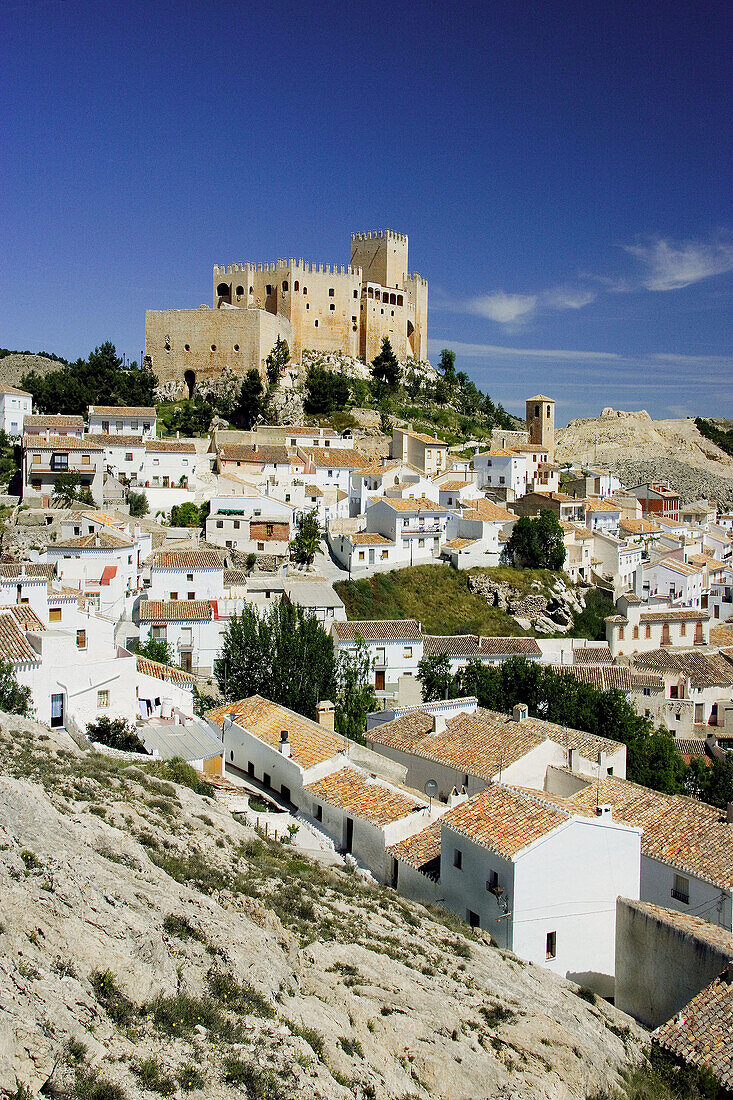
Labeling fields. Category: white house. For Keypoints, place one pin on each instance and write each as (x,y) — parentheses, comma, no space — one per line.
(477,534)
(686,845)
(251,524)
(360,549)
(416,527)
(464,746)
(168,462)
(15,406)
(54,424)
(395,648)
(188,626)
(618,561)
(371,482)
(124,456)
(186,575)
(316,597)
(428,453)
(457,492)
(123,420)
(47,457)
(462,648)
(637,627)
(674,580)
(502,469)
(578,542)
(696,686)
(541,879)
(103,564)
(602,516)
(330,468)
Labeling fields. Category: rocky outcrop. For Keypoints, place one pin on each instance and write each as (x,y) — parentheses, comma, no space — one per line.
(146,935)
(544,613)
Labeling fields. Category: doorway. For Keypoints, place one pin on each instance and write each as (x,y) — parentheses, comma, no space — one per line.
(349,834)
(371,557)
(379,680)
(57,710)
(189,377)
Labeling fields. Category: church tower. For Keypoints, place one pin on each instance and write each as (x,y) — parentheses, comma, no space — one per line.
(541,423)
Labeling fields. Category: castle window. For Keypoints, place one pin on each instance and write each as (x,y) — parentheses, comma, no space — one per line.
(224,291)
(548,410)
(236,347)
(305,290)
(356,293)
(285,287)
(330,292)
(399,299)
(537,410)
(315,323)
(391,312)
(251,290)
(385,298)
(307,305)
(186,347)
(370,293)
(382,311)
(268,288)
(296,285)
(393,299)
(239,292)
(332,306)
(213,347)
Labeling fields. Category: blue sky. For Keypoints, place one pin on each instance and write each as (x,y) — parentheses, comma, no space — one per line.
(563,171)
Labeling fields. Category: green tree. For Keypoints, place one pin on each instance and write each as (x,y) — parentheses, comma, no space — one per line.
(537,543)
(15,698)
(187,514)
(447,366)
(155,649)
(67,488)
(355,696)
(250,406)
(138,503)
(277,361)
(436,679)
(101,379)
(326,391)
(284,654)
(116,733)
(307,541)
(713,784)
(386,369)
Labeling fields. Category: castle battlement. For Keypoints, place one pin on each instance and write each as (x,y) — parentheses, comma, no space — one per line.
(286,265)
(377,234)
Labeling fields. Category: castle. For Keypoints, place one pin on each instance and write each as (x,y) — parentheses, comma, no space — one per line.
(315,307)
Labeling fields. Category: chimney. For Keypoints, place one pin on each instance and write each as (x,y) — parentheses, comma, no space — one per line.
(604,810)
(520,711)
(729,813)
(454,798)
(438,723)
(573,760)
(326,714)
(284,745)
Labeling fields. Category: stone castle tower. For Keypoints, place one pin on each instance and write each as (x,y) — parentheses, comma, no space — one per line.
(541,423)
(312,306)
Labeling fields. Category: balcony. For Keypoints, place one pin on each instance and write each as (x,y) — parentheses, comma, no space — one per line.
(679,895)
(413,529)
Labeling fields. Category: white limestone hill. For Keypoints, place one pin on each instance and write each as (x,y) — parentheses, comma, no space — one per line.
(150,941)
(19,363)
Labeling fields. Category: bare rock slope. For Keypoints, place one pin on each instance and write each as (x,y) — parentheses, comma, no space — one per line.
(19,363)
(634,445)
(151,941)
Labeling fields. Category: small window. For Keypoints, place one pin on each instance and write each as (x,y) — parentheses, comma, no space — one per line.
(458,859)
(318,812)
(296,286)
(681,889)
(213,347)
(236,347)
(128,456)
(81,639)
(285,287)
(647,631)
(305,290)
(85,460)
(551,945)
(220,523)
(189,576)
(36,459)
(330,292)
(186,347)
(260,546)
(174,595)
(385,555)
(361,555)
(620,633)
(315,323)
(407,651)
(332,306)
(191,595)
(54,614)
(683,629)
(103,698)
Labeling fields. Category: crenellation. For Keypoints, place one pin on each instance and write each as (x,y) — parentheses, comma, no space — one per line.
(255,302)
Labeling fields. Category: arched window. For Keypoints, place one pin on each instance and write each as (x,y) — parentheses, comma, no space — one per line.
(285,286)
(236,347)
(189,377)
(315,323)
(296,285)
(224,292)
(186,347)
(393,299)
(251,290)
(305,290)
(370,292)
(399,300)
(213,347)
(239,292)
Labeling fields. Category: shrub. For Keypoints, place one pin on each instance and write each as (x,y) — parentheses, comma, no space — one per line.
(190,1077)
(261,1084)
(149,1075)
(31,860)
(181,929)
(176,770)
(138,503)
(116,733)
(239,998)
(115,1003)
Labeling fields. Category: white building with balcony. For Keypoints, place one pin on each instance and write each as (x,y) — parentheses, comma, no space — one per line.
(123,420)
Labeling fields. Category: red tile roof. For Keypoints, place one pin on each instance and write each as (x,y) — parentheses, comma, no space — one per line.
(310,743)
(362,796)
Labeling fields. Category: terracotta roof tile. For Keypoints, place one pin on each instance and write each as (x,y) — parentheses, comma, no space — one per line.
(61,443)
(170,446)
(335,458)
(25,615)
(674,614)
(357,794)
(167,611)
(703,669)
(369,538)
(13,644)
(379,630)
(105,539)
(164,672)
(592,655)
(420,848)
(459,544)
(13,390)
(487,511)
(186,559)
(504,820)
(122,410)
(484,742)
(48,421)
(310,744)
(420,504)
(702,1033)
(601,677)
(473,645)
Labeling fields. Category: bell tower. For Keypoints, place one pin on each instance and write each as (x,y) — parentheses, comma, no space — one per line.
(541,423)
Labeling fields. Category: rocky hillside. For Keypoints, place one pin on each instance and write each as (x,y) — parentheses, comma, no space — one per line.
(151,942)
(15,365)
(637,447)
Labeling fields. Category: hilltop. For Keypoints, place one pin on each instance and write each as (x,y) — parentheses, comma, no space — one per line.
(637,447)
(152,941)
(19,363)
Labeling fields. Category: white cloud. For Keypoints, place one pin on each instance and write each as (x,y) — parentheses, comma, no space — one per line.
(478,351)
(503,308)
(567,298)
(672,265)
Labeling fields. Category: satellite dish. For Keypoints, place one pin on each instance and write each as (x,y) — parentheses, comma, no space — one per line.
(431,788)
